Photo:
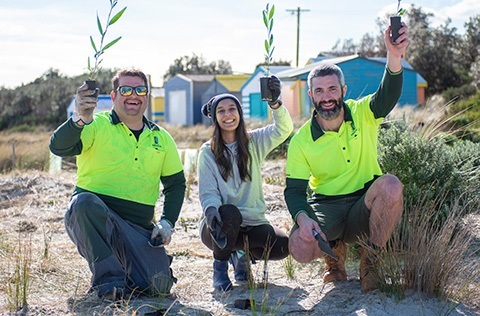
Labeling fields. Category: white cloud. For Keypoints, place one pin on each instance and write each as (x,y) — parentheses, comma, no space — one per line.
(462,10)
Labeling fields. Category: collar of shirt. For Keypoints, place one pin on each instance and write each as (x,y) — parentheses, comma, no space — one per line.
(317,131)
(150,125)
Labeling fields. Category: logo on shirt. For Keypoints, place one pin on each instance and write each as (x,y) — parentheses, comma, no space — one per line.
(354,130)
(156,144)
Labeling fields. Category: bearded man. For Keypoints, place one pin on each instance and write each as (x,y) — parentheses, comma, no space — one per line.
(335,154)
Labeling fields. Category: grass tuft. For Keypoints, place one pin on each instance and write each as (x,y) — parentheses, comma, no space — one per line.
(17,277)
(290,265)
(429,254)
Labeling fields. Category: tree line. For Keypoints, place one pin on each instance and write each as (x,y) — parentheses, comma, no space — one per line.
(447,60)
(440,54)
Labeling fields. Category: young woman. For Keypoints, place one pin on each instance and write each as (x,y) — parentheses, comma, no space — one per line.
(230,186)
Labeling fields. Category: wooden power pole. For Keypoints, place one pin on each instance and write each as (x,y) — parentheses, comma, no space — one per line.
(297,10)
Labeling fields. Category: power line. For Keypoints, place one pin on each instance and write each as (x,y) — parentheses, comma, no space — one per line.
(297,10)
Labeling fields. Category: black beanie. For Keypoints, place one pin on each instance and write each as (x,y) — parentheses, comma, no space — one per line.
(209,108)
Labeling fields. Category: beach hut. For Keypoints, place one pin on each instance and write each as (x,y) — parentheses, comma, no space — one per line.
(362,77)
(183,98)
(157,104)
(224,84)
(253,107)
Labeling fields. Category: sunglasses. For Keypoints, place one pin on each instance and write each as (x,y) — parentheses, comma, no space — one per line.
(127,91)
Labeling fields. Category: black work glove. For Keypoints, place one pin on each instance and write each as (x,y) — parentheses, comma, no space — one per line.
(275,88)
(213,217)
(214,223)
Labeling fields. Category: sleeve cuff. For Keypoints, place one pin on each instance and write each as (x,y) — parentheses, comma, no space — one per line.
(279,102)
(75,124)
(394,73)
(166,220)
(298,213)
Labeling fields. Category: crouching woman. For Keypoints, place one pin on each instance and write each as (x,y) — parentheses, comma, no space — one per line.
(230,187)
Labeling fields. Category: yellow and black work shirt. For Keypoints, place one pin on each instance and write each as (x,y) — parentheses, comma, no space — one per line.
(113,162)
(123,172)
(337,163)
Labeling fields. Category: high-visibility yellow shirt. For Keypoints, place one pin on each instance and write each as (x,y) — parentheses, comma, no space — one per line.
(337,163)
(123,172)
(343,162)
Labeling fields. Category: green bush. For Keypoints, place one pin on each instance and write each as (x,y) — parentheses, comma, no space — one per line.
(22,128)
(471,116)
(429,168)
(460,93)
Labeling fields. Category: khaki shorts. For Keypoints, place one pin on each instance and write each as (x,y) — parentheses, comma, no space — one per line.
(344,218)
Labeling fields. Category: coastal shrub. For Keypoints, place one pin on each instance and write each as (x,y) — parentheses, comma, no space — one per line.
(430,167)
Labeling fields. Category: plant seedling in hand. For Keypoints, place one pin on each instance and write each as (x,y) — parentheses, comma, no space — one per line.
(267,14)
(268,21)
(93,69)
(396,22)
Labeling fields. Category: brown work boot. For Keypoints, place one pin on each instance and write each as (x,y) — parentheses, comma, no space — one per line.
(335,270)
(368,271)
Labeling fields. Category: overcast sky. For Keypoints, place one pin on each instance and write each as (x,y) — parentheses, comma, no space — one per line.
(38,35)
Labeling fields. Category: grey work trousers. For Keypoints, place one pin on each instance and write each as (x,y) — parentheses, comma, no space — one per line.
(118,252)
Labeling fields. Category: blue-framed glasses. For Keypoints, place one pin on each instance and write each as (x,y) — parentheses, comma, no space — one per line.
(127,91)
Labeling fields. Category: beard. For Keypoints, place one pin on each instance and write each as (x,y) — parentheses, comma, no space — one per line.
(328,114)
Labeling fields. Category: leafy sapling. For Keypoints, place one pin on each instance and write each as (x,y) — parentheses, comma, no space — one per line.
(400,11)
(94,68)
(267,13)
(269,48)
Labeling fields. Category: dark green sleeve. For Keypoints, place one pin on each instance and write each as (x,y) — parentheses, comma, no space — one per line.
(387,94)
(296,196)
(174,192)
(65,141)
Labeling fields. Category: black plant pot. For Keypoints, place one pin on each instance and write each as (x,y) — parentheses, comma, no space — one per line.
(265,93)
(395,24)
(92,85)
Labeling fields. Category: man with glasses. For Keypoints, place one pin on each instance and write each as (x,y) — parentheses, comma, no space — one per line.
(121,159)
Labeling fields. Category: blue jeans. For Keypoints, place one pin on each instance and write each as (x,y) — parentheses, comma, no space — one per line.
(118,252)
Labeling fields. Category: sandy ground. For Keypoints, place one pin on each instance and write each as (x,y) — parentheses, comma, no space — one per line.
(31,222)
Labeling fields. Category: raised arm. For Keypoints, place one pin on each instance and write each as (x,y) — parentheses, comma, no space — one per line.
(395,52)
